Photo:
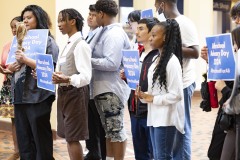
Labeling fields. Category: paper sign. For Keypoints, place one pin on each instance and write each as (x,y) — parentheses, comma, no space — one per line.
(131,67)
(45,70)
(148,13)
(221,63)
(35,42)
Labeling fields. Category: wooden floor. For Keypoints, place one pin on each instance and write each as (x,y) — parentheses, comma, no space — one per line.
(202,125)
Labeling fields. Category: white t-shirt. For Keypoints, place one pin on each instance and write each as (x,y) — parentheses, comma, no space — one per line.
(189,36)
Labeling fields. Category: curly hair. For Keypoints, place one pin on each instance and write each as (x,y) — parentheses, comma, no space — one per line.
(92,8)
(43,20)
(107,6)
(69,14)
(172,45)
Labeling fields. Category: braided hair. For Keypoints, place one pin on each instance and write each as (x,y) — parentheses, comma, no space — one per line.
(69,14)
(172,45)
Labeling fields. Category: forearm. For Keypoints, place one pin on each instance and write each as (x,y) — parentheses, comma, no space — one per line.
(190,52)
(30,62)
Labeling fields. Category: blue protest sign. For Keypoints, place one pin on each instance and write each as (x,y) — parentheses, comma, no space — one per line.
(35,42)
(131,67)
(45,70)
(221,63)
(148,13)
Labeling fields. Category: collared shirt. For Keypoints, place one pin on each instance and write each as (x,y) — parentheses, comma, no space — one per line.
(91,34)
(107,62)
(82,56)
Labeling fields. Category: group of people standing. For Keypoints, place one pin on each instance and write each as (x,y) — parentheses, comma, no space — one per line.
(160,118)
(93,91)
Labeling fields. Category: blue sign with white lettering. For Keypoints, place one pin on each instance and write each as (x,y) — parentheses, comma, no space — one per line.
(221,63)
(148,13)
(131,67)
(35,42)
(45,70)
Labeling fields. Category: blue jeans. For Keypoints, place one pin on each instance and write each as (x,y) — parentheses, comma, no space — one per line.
(182,145)
(162,140)
(141,138)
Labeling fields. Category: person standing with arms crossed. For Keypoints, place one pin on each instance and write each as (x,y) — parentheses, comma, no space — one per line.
(109,90)
(190,51)
(74,75)
(96,144)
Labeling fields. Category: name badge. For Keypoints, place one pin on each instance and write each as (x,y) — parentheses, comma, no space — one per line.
(62,60)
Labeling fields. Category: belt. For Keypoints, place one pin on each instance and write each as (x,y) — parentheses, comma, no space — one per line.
(65,88)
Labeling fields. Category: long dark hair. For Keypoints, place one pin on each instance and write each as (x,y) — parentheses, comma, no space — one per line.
(172,45)
(236,36)
(43,20)
(71,13)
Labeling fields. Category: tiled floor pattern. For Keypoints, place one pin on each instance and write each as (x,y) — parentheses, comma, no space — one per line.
(202,124)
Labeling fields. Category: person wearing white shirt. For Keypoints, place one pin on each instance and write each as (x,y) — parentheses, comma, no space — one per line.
(165,89)
(74,75)
(167,9)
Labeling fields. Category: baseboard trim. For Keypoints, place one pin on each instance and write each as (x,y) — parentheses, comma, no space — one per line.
(7,126)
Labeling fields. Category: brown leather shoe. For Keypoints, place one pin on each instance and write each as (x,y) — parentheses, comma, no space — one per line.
(14,156)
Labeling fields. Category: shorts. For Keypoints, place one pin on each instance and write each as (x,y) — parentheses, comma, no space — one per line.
(111,111)
(72,113)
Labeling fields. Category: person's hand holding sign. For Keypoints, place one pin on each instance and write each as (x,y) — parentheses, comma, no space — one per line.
(146,97)
(140,94)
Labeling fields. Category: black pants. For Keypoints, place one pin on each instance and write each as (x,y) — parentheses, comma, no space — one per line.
(216,145)
(96,144)
(33,129)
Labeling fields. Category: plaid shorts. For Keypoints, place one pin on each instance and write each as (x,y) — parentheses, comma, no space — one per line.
(111,109)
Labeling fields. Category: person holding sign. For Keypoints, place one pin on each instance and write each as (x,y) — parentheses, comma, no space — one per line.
(165,89)
(75,72)
(32,104)
(218,135)
(137,110)
(6,106)
(109,90)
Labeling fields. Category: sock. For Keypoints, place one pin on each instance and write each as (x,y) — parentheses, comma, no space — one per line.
(109,158)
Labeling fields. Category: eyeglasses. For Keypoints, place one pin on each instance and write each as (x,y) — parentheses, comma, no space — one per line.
(130,23)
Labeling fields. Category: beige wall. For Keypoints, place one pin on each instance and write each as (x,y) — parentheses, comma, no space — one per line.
(12,8)
(202,16)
